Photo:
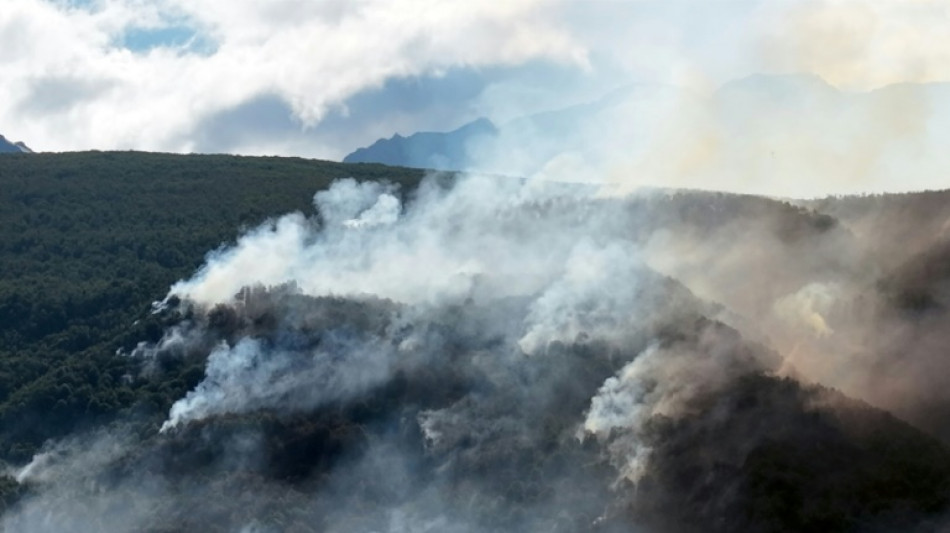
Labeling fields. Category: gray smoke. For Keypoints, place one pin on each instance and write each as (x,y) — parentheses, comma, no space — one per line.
(489,354)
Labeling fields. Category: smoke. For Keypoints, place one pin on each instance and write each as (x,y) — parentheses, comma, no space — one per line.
(249,377)
(484,241)
(569,352)
(667,382)
(69,488)
(794,136)
(490,354)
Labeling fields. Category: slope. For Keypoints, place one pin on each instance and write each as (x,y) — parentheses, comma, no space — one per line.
(90,240)
(479,354)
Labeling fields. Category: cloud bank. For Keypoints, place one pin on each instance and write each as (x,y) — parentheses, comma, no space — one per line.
(204,76)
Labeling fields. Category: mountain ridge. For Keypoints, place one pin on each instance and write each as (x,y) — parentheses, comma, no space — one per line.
(7,147)
(432,150)
(758,134)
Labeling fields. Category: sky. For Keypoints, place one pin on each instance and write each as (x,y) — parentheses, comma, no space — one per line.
(319,78)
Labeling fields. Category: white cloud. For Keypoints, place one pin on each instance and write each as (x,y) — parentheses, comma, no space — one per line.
(314,55)
(70,84)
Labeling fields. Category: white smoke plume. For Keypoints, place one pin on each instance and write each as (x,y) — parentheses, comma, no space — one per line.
(665,382)
(485,239)
(249,376)
(492,354)
(582,267)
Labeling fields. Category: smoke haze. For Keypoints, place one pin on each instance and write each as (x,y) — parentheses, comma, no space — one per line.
(492,354)
(578,332)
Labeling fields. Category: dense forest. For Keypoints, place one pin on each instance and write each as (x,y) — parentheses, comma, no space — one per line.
(653,390)
(89,241)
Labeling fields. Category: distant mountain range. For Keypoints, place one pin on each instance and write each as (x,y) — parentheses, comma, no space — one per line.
(783,127)
(468,147)
(448,150)
(7,147)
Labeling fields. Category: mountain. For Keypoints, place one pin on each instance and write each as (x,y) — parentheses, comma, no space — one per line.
(478,145)
(446,151)
(784,135)
(17,147)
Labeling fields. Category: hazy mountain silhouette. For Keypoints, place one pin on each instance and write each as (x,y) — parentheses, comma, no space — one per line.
(11,147)
(446,151)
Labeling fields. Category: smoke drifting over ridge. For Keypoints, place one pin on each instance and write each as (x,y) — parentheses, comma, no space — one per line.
(792,136)
(481,242)
(488,354)
(482,354)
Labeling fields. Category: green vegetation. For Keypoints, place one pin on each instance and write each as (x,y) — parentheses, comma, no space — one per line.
(89,241)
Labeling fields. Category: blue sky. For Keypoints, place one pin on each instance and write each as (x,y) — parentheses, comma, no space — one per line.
(179,37)
(167,31)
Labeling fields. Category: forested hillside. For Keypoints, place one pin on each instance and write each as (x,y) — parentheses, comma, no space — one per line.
(89,241)
(468,354)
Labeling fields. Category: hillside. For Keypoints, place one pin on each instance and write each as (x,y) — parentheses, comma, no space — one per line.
(395,353)
(90,240)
